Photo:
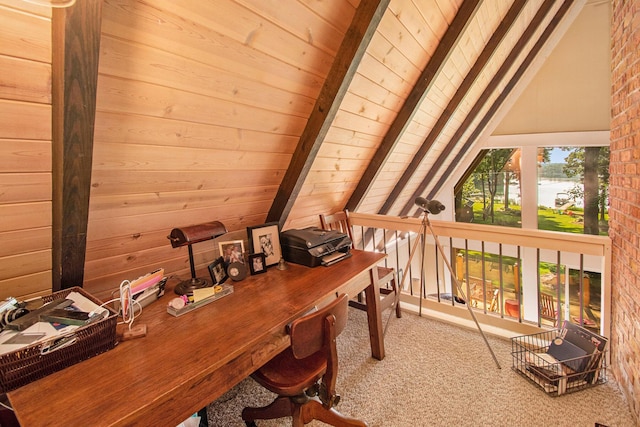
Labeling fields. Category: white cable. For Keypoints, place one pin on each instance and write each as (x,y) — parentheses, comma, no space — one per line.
(110,301)
(126,303)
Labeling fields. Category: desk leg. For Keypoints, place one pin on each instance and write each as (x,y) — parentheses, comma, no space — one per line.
(374,317)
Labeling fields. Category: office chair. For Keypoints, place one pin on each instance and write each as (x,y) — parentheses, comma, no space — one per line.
(304,375)
(386,276)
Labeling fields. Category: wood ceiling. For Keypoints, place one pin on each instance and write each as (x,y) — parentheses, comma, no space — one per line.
(248,111)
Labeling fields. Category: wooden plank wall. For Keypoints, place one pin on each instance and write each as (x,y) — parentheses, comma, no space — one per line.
(199,107)
(25,149)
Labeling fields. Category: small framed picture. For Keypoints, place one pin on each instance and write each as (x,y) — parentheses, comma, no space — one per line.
(232,251)
(257,263)
(265,238)
(217,271)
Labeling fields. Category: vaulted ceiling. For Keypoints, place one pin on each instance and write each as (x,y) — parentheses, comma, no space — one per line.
(250,111)
(451,66)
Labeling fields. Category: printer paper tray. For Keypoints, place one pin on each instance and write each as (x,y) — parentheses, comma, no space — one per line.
(334,257)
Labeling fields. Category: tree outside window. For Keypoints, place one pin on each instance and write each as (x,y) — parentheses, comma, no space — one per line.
(572,189)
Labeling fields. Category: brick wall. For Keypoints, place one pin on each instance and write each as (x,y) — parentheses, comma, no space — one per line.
(625,198)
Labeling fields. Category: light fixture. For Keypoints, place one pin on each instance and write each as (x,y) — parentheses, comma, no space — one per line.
(188,236)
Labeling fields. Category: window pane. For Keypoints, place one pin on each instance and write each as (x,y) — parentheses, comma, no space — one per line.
(490,193)
(573,189)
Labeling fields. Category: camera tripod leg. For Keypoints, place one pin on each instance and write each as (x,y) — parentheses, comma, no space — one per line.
(455,279)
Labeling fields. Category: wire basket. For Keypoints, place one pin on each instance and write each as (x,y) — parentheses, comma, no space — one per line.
(531,359)
(30,363)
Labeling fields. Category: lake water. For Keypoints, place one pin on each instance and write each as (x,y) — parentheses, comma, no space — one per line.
(547,191)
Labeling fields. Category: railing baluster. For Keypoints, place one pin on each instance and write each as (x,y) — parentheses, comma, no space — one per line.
(466,275)
(500,281)
(559,284)
(484,280)
(501,246)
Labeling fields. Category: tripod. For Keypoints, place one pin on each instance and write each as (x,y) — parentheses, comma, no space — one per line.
(426,223)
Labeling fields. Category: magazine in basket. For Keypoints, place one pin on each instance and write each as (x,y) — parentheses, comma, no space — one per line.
(57,331)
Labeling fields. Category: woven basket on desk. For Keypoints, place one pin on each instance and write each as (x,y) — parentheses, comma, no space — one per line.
(28,364)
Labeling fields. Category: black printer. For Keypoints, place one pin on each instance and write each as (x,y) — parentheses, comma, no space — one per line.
(314,246)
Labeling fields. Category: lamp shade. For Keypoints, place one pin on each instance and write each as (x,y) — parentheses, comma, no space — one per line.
(188,236)
(196,233)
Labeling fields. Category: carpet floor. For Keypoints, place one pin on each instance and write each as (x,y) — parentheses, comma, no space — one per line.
(437,374)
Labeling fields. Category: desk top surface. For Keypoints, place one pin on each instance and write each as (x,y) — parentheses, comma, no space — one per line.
(179,352)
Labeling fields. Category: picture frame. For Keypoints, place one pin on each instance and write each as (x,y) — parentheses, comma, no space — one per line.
(265,238)
(232,251)
(217,271)
(257,263)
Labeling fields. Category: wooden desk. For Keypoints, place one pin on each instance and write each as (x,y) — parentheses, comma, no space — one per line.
(186,362)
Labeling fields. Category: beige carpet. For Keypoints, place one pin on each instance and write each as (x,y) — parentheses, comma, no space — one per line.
(436,374)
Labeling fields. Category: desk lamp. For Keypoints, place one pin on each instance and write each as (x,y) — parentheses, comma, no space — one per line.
(188,236)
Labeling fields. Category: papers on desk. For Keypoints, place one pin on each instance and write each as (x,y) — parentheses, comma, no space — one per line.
(42,332)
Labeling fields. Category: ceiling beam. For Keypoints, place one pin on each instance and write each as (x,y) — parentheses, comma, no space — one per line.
(363,26)
(454,103)
(412,102)
(76,50)
(488,51)
(544,37)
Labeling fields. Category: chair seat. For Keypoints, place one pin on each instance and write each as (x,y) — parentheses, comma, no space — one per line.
(311,360)
(386,276)
(390,296)
(286,375)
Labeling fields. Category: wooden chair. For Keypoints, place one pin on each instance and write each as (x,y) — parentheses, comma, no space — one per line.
(386,276)
(495,300)
(304,375)
(548,308)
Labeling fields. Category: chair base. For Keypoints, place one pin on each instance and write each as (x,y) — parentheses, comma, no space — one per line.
(302,410)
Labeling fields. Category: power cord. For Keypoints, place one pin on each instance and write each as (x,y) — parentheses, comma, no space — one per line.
(129,313)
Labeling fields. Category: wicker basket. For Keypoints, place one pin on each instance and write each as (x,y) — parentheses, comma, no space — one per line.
(28,364)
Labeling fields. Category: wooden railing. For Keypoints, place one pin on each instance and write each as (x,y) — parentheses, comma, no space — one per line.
(507,275)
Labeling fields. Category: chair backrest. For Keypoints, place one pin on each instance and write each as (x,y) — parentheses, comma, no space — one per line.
(337,221)
(311,333)
(316,333)
(547,307)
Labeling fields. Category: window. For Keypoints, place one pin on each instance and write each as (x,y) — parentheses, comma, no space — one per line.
(490,193)
(572,193)
(573,189)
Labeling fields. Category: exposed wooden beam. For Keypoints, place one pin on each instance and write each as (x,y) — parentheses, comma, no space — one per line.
(555,21)
(457,99)
(414,99)
(363,26)
(492,45)
(76,49)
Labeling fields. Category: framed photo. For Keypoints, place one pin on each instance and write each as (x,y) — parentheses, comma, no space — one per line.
(232,251)
(257,263)
(265,238)
(217,271)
